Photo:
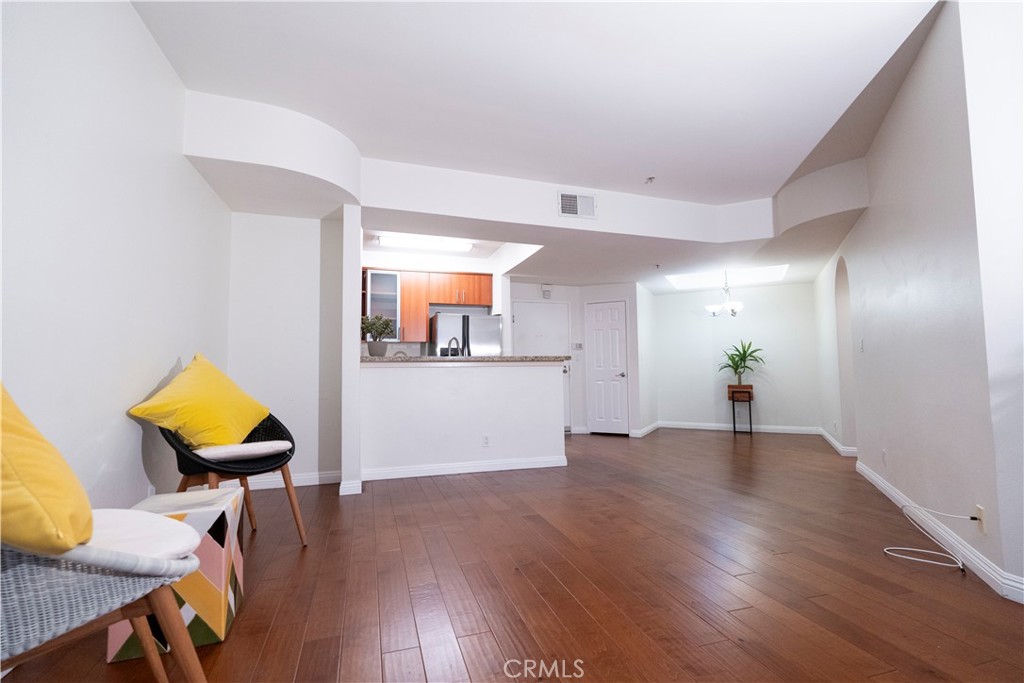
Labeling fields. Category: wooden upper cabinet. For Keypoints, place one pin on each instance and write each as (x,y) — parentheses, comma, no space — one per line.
(460,288)
(479,290)
(415,306)
(443,289)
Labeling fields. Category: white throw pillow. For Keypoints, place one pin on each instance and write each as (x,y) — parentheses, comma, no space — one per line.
(243,451)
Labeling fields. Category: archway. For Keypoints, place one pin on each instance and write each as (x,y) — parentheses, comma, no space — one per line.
(844,339)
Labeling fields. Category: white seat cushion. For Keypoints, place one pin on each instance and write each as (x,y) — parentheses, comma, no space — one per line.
(142,533)
(243,451)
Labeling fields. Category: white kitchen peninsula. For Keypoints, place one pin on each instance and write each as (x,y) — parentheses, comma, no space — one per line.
(422,416)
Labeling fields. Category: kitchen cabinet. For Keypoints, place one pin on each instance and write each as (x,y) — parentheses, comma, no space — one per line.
(415,306)
(381,296)
(477,290)
(405,297)
(460,288)
(443,289)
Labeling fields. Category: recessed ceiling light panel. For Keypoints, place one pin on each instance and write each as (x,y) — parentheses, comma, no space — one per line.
(423,242)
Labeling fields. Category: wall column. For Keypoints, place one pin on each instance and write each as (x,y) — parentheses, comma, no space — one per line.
(351,311)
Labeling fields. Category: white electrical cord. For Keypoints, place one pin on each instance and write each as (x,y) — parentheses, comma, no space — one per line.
(957,562)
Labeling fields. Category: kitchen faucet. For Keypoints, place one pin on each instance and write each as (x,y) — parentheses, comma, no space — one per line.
(458,351)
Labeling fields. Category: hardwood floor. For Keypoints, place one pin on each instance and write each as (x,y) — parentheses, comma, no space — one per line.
(682,556)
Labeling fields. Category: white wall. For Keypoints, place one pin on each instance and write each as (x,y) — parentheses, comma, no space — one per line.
(674,350)
(351,310)
(836,357)
(469,417)
(690,345)
(846,356)
(274,329)
(922,391)
(447,192)
(332,254)
(115,249)
(571,295)
(648,366)
(830,415)
(993,65)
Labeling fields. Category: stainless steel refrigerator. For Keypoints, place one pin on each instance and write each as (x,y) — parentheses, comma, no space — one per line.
(464,335)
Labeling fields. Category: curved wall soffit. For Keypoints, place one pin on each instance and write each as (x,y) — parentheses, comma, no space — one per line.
(831,228)
(270,190)
(828,192)
(416,189)
(292,146)
(809,246)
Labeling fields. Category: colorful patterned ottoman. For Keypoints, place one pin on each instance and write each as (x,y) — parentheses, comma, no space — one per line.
(209,597)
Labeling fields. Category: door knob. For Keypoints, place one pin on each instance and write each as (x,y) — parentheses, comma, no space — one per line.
(621,374)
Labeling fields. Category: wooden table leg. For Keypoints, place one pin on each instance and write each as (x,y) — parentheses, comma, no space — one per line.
(184,652)
(141,627)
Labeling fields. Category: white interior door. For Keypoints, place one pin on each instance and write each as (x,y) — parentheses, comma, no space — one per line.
(607,389)
(541,328)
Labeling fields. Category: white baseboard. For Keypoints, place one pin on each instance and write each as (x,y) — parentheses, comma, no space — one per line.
(350,488)
(461,467)
(839,448)
(643,431)
(580,430)
(727,427)
(847,451)
(273,480)
(1006,584)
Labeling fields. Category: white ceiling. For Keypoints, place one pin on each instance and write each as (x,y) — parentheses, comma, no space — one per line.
(721,102)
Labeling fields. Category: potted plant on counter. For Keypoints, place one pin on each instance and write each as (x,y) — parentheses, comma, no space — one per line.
(738,360)
(378,328)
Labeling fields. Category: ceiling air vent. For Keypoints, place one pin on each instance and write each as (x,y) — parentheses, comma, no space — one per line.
(578,205)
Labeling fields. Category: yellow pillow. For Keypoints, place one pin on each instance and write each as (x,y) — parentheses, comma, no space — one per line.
(43,507)
(203,406)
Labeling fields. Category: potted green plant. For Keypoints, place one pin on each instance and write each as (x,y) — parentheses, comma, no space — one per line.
(378,328)
(738,360)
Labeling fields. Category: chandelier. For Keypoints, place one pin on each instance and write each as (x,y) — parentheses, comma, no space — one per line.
(728,306)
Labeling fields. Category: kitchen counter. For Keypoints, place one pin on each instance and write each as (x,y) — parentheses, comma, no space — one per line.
(463,359)
(423,416)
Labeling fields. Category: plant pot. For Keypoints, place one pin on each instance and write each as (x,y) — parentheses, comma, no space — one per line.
(377,348)
(741,392)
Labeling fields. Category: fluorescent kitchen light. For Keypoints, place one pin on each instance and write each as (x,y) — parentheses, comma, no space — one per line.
(424,243)
(712,279)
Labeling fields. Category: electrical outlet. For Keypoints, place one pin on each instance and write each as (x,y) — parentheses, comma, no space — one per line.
(979,512)
(150,490)
(835,427)
(487,441)
(885,455)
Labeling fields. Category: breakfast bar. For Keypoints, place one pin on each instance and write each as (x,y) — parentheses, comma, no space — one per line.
(426,415)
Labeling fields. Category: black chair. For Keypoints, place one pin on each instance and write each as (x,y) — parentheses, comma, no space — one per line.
(196,470)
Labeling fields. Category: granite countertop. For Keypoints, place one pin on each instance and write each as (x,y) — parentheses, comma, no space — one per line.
(463,359)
